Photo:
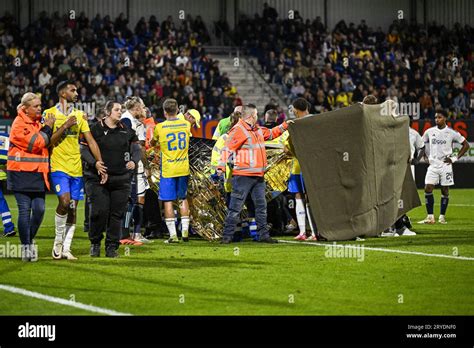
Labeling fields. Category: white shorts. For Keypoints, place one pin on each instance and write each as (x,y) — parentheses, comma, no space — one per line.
(142,184)
(442,175)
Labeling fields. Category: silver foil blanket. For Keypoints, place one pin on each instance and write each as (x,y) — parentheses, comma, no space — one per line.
(206,197)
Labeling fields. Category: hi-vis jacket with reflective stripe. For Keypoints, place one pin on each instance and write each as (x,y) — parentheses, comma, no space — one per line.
(220,155)
(246,145)
(217,160)
(28,147)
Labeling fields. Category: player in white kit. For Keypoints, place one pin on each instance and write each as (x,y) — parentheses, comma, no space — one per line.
(416,145)
(133,118)
(402,225)
(439,142)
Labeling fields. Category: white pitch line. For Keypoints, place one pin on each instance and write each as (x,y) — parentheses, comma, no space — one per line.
(59,300)
(381,249)
(47,208)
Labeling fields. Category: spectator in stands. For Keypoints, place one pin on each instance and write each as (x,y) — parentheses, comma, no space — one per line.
(44,78)
(269,13)
(401,64)
(154,61)
(459,103)
(426,106)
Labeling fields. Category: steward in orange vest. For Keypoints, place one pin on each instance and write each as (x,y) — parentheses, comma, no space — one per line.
(28,151)
(27,170)
(246,144)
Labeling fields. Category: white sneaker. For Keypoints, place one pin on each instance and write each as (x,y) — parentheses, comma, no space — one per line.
(57,250)
(442,220)
(389,234)
(407,232)
(428,220)
(139,238)
(289,227)
(25,253)
(34,251)
(68,255)
(173,240)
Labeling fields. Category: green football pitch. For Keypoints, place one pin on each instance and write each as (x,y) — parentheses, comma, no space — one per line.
(428,274)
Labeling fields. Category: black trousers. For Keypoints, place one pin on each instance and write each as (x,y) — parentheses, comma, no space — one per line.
(151,212)
(108,204)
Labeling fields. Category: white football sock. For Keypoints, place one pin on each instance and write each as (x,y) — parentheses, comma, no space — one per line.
(70,228)
(60,227)
(301,215)
(170,223)
(184,226)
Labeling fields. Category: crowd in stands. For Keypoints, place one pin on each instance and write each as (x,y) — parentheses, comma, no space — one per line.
(108,60)
(431,65)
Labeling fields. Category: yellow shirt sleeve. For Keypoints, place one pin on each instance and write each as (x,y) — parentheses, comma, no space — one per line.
(83,124)
(289,146)
(156,132)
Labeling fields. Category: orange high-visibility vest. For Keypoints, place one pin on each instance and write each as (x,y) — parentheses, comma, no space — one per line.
(28,147)
(150,127)
(247,147)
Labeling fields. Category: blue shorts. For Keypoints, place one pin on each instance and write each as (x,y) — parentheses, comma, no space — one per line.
(64,183)
(172,189)
(296,183)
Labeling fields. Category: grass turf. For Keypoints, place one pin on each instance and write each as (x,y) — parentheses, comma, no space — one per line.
(202,278)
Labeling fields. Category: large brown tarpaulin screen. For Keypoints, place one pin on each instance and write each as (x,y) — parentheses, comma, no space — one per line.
(355,167)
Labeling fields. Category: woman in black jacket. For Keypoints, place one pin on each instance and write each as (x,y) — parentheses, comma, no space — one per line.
(109,194)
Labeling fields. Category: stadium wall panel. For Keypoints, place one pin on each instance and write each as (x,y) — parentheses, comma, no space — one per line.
(308,9)
(208,9)
(90,7)
(449,12)
(375,12)
(7,6)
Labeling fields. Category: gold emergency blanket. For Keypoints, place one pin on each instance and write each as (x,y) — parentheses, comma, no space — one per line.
(206,198)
